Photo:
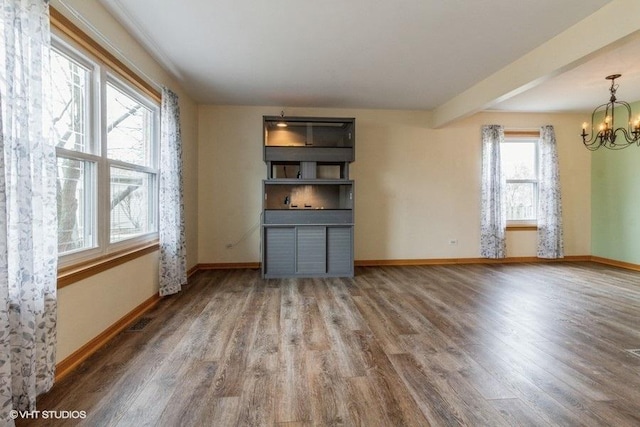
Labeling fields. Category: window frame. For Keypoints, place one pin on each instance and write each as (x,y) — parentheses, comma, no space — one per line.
(525,137)
(78,264)
(90,154)
(153,168)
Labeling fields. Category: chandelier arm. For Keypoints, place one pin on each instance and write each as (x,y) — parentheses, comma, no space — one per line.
(618,146)
(629,119)
(626,136)
(627,132)
(592,135)
(612,145)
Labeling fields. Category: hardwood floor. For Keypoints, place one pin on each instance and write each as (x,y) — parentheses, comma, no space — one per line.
(478,345)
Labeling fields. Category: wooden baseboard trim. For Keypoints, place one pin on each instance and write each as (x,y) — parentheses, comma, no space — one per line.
(462,261)
(616,263)
(193,270)
(229,265)
(435,261)
(405,262)
(68,364)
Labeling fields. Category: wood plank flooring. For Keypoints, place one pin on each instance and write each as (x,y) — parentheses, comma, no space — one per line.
(477,345)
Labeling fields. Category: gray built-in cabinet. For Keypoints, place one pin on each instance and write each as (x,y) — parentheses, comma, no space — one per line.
(308,198)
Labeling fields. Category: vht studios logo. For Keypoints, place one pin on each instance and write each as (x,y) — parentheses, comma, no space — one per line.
(48,415)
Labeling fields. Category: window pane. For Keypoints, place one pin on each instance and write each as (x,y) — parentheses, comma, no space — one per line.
(521,201)
(74,205)
(518,160)
(131,203)
(129,128)
(70,102)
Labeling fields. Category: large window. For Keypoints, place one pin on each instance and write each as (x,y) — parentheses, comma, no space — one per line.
(107,138)
(520,165)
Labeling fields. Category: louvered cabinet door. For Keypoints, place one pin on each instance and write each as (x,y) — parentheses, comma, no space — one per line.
(279,250)
(311,250)
(340,251)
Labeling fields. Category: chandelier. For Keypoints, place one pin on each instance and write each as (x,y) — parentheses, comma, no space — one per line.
(606,135)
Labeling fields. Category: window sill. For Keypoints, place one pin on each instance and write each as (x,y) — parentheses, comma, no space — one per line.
(70,274)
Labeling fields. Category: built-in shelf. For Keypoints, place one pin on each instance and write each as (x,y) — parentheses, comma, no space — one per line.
(308,170)
(307,195)
(308,132)
(308,199)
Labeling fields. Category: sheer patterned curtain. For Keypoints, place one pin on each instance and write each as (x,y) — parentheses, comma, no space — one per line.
(550,233)
(173,252)
(28,231)
(493,210)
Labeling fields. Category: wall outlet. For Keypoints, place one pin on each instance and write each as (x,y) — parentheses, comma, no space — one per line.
(453,241)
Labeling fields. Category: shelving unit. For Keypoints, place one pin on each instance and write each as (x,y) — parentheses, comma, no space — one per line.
(308,198)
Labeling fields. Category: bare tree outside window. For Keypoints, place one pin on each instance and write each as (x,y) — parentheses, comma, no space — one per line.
(129,203)
(128,129)
(126,156)
(519,163)
(70,107)
(129,137)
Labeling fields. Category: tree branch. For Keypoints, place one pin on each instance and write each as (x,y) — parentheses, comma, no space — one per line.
(123,195)
(64,110)
(123,117)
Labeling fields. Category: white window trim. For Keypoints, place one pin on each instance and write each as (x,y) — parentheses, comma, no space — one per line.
(526,139)
(96,148)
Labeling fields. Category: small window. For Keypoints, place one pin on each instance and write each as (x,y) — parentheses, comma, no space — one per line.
(132,203)
(76,169)
(76,204)
(129,128)
(70,97)
(520,166)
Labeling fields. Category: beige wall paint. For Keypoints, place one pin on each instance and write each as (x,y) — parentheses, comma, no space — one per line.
(416,188)
(88,307)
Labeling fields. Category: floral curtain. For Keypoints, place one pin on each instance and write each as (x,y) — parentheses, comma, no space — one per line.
(173,252)
(550,236)
(28,231)
(493,209)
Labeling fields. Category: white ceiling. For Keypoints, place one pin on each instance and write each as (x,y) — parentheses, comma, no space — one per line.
(405,54)
(584,87)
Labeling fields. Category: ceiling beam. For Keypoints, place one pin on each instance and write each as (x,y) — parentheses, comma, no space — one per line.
(613,24)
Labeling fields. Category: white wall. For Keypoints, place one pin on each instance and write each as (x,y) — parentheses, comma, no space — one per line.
(416,187)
